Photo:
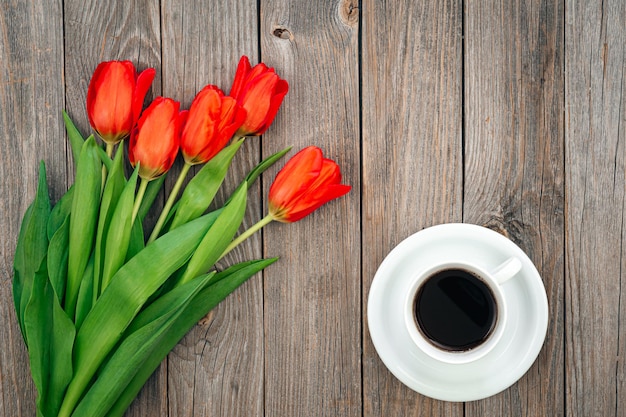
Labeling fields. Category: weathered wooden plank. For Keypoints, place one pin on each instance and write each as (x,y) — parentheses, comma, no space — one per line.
(412,155)
(514,155)
(294,343)
(217,370)
(595,103)
(31,129)
(104,31)
(312,295)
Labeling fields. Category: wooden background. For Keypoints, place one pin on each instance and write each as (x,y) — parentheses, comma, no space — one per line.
(510,114)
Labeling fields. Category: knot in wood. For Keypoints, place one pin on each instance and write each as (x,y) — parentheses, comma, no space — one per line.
(349,12)
(281,32)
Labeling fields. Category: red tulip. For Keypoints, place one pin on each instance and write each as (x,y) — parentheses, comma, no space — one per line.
(260,91)
(154,142)
(115,98)
(213,119)
(307,181)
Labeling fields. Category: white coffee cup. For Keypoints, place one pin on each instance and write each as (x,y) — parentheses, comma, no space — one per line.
(492,279)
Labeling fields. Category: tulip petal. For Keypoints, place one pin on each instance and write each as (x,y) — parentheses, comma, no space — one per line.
(156,139)
(111,103)
(183,116)
(115,98)
(257,70)
(329,174)
(233,116)
(260,91)
(144,81)
(91,90)
(306,182)
(228,113)
(256,100)
(243,68)
(309,202)
(280,91)
(209,129)
(296,176)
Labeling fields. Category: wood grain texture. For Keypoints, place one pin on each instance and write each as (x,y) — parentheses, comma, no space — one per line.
(31,96)
(505,114)
(412,156)
(217,369)
(595,156)
(514,181)
(312,302)
(104,31)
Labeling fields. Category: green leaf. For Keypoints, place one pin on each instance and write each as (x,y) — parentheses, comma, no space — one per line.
(74,136)
(58,234)
(201,190)
(57,258)
(83,220)
(218,237)
(222,284)
(110,195)
(118,235)
(106,159)
(61,345)
(86,298)
(137,345)
(32,246)
(51,333)
(136,243)
(37,332)
(60,212)
(166,302)
(260,168)
(264,165)
(129,289)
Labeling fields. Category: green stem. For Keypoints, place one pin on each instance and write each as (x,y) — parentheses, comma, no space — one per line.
(169,203)
(252,230)
(140,193)
(109,151)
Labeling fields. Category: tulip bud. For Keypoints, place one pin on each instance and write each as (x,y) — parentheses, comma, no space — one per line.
(260,92)
(115,98)
(154,142)
(212,121)
(306,182)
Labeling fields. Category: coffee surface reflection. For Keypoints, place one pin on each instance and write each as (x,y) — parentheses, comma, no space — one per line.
(455,310)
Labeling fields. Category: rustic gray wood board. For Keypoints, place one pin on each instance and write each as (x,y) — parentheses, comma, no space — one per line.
(412,155)
(217,368)
(514,173)
(595,115)
(504,114)
(311,296)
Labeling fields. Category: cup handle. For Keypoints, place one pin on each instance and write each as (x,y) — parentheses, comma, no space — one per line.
(507,270)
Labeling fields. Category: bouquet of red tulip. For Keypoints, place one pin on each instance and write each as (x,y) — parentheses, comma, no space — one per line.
(98,304)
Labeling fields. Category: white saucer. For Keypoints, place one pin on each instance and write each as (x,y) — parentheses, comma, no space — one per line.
(525,328)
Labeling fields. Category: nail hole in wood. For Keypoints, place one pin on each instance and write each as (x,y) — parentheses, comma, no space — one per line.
(281,32)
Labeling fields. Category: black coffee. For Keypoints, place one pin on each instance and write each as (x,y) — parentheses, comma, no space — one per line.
(455,310)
